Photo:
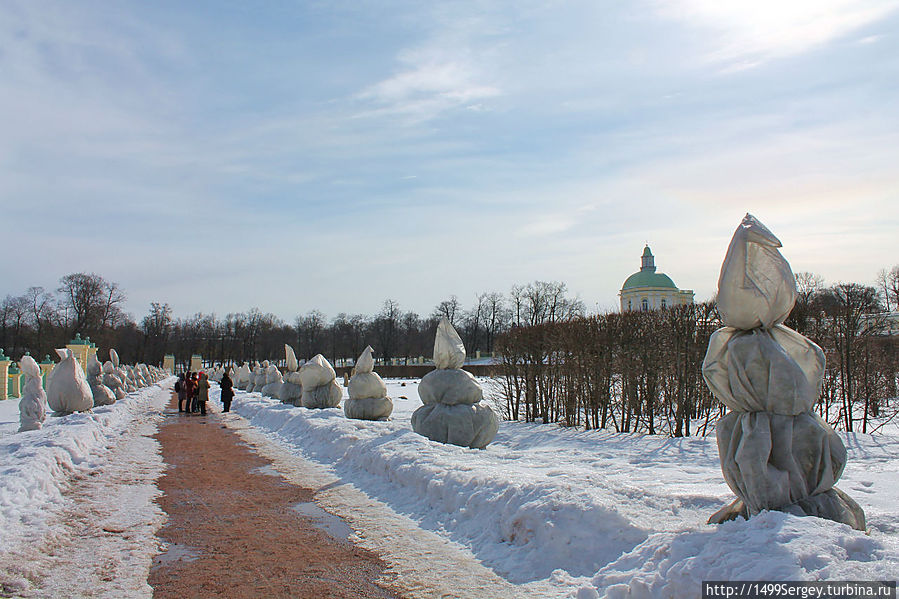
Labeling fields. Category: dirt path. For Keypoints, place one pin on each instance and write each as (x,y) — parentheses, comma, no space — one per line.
(237,530)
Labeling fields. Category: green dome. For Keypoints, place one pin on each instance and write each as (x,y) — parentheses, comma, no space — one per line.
(647,278)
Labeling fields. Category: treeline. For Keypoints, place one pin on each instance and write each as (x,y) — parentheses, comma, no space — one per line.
(39,320)
(642,371)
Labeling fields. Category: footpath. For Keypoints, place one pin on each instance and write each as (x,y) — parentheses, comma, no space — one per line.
(237,529)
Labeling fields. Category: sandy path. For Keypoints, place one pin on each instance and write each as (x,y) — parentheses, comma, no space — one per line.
(235,527)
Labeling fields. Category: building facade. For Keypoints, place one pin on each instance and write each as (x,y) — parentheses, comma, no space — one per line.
(651,290)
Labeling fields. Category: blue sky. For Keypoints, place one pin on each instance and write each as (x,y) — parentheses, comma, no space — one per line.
(329,155)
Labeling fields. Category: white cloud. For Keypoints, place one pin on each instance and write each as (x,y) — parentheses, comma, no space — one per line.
(750,33)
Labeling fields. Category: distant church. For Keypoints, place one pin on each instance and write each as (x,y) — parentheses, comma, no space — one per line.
(651,290)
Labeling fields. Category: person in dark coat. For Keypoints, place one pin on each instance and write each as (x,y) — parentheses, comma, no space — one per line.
(190,385)
(202,393)
(227,386)
(181,390)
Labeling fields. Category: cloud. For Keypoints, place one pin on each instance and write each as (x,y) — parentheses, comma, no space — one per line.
(747,34)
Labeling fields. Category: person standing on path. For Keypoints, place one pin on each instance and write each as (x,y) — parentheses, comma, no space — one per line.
(190,389)
(181,390)
(202,393)
(227,392)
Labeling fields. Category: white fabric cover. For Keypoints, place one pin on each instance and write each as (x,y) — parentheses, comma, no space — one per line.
(368,394)
(453,410)
(472,426)
(369,408)
(323,396)
(756,286)
(776,454)
(103,395)
(112,380)
(366,362)
(67,388)
(775,370)
(291,390)
(273,381)
(33,405)
(292,364)
(242,376)
(773,460)
(449,352)
(316,372)
(449,387)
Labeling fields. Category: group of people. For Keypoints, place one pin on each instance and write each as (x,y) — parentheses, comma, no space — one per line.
(193,392)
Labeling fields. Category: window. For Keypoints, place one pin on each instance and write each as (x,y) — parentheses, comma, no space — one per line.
(630,305)
(664,303)
(645,304)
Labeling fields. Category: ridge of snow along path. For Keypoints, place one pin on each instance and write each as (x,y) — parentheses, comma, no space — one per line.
(562,512)
(76,501)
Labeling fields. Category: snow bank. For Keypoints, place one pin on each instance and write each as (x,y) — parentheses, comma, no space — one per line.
(35,466)
(595,513)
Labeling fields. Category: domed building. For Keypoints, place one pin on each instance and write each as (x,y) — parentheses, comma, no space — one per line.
(651,290)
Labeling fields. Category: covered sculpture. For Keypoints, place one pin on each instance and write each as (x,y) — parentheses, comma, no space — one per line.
(368,393)
(273,381)
(453,410)
(33,405)
(103,395)
(776,454)
(67,388)
(242,377)
(291,390)
(320,389)
(112,381)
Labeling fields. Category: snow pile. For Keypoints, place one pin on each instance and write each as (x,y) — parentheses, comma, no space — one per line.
(587,512)
(36,465)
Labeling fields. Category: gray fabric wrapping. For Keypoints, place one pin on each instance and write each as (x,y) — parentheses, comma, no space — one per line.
(472,426)
(449,387)
(325,396)
(367,385)
(775,453)
(290,392)
(368,408)
(772,460)
(774,370)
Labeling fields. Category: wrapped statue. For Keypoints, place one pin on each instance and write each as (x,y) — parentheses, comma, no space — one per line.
(67,388)
(453,410)
(776,453)
(112,381)
(103,395)
(33,405)
(368,394)
(320,389)
(291,390)
(273,381)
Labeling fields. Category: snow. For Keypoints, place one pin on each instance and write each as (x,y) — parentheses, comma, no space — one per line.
(592,512)
(37,467)
(544,511)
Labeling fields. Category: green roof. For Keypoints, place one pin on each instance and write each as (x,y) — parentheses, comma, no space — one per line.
(648,278)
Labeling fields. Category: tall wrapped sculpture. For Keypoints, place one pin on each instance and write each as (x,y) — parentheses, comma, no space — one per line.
(320,390)
(453,411)
(368,393)
(776,454)
(291,390)
(33,405)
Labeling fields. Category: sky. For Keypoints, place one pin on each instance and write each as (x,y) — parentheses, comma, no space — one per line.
(329,155)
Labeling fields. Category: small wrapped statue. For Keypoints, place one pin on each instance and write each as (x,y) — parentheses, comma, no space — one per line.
(320,388)
(291,390)
(453,410)
(103,395)
(368,393)
(776,453)
(273,381)
(33,405)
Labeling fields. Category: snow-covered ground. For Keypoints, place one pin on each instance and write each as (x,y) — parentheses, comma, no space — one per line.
(77,516)
(593,513)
